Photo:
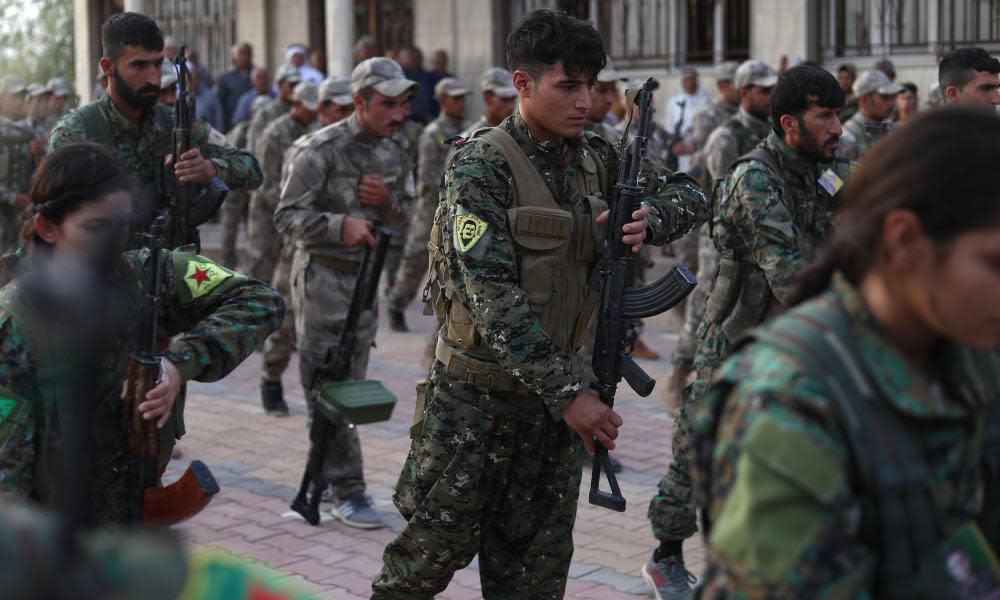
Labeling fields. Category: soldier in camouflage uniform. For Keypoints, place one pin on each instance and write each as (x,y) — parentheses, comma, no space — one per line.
(603,94)
(733,138)
(876,102)
(772,212)
(494,467)
(335,100)
(451,94)
(340,180)
(802,501)
(139,131)
(58,107)
(499,99)
(408,138)
(236,208)
(16,145)
(270,257)
(285,79)
(214,316)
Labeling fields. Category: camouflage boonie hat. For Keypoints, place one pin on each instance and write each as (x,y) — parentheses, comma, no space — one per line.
(450,86)
(289,73)
(35,90)
(726,71)
(306,94)
(12,84)
(58,87)
(336,90)
(875,82)
(384,75)
(755,72)
(609,74)
(499,81)
(168,74)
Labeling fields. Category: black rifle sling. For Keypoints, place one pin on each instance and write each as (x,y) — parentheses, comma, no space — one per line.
(892,471)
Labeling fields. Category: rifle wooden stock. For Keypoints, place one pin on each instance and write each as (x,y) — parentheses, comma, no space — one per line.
(182,499)
(143,436)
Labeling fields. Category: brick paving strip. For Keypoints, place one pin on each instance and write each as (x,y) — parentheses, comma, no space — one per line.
(258,461)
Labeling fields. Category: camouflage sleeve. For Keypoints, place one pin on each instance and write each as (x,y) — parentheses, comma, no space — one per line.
(269,156)
(484,276)
(702,125)
(67,130)
(777,465)
(756,209)
(237,168)
(297,215)
(721,150)
(402,191)
(432,153)
(217,317)
(677,201)
(17,418)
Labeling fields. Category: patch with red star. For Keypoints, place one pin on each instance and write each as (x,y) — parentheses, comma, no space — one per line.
(203,276)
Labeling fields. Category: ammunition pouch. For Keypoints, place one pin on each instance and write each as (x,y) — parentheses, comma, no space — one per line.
(483,374)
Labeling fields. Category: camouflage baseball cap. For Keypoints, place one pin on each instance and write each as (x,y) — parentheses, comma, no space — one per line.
(306,94)
(35,90)
(726,71)
(382,74)
(499,81)
(336,90)
(289,73)
(450,86)
(58,87)
(755,72)
(609,74)
(168,74)
(875,82)
(12,84)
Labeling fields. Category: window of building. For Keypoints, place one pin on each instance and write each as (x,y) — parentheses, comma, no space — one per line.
(207,28)
(388,22)
(970,22)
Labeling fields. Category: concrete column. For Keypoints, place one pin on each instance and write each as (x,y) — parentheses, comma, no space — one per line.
(719,31)
(933,28)
(84,50)
(339,37)
(138,6)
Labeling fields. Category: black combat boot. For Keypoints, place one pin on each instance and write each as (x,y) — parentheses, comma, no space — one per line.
(397,321)
(272,398)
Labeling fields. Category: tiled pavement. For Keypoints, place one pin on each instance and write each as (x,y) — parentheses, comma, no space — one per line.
(258,461)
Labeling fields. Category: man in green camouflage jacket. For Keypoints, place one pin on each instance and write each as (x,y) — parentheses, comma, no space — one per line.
(139,131)
(494,467)
(774,210)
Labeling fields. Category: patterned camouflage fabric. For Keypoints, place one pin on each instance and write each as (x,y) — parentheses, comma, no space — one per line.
(433,156)
(498,473)
(604,130)
(218,318)
(703,123)
(860,133)
(144,147)
(234,210)
(15,173)
(773,223)
(779,480)
(263,117)
(732,139)
(408,138)
(318,190)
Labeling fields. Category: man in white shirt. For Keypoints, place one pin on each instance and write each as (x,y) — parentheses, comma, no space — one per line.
(680,109)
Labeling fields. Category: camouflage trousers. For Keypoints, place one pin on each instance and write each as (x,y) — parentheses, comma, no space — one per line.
(234,213)
(263,240)
(694,310)
(320,299)
(672,512)
(412,269)
(279,345)
(493,475)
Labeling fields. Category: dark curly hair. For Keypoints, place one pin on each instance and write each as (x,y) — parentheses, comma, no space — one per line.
(544,37)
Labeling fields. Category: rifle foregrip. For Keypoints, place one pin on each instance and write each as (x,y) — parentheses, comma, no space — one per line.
(660,296)
(143,436)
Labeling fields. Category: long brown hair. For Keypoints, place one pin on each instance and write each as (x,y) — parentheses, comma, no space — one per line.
(944,167)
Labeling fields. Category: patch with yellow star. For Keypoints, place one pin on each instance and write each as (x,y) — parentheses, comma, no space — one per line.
(203,276)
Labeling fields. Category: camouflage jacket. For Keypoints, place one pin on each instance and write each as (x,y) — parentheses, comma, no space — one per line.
(736,136)
(320,187)
(860,133)
(277,138)
(478,181)
(14,162)
(408,138)
(434,154)
(608,132)
(263,117)
(482,122)
(708,117)
(216,319)
(775,471)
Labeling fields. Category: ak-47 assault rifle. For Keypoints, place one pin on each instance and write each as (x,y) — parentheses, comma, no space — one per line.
(148,503)
(337,397)
(621,304)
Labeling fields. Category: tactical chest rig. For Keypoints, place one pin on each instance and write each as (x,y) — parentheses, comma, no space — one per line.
(555,250)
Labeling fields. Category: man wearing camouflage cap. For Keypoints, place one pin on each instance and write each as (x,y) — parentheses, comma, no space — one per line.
(433,152)
(734,137)
(270,258)
(336,102)
(342,178)
(876,96)
(499,98)
(17,144)
(285,80)
(60,96)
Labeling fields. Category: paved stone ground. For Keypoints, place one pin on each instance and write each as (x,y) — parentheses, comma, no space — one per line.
(258,461)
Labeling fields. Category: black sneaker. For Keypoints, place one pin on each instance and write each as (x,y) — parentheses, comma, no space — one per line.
(397,321)
(272,398)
